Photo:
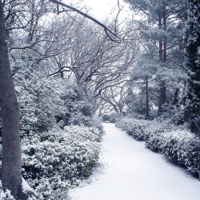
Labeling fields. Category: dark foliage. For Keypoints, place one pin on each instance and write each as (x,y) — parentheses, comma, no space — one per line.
(192,45)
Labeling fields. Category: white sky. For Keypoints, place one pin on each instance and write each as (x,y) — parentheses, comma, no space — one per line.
(101,9)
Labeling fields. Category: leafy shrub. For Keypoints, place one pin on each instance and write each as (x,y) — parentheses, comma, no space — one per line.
(155,142)
(106,117)
(177,143)
(39,99)
(54,161)
(134,127)
(182,148)
(191,157)
(96,122)
(114,117)
(174,114)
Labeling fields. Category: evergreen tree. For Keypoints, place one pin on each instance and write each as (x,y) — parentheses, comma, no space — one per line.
(162,29)
(192,47)
(141,77)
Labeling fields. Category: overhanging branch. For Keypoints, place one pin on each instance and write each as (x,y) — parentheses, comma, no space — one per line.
(112,36)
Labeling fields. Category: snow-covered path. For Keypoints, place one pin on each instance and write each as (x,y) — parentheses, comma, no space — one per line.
(135,173)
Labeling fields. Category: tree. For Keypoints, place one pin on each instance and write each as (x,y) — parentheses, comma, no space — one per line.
(142,75)
(96,63)
(192,47)
(111,35)
(11,164)
(162,35)
(115,97)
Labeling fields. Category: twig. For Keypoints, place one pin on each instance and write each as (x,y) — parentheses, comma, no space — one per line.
(91,18)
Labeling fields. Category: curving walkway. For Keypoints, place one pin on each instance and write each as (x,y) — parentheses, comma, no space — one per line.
(135,173)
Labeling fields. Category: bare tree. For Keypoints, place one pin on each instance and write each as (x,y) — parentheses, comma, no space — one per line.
(95,61)
(116,96)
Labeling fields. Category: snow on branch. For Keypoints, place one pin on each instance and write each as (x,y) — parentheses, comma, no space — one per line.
(112,36)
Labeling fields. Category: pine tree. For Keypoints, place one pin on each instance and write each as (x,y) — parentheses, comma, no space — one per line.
(162,35)
(192,49)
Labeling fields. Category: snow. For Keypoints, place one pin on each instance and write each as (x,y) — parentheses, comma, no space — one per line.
(26,187)
(133,172)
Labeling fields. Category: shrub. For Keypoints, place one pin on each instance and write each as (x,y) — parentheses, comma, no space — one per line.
(106,117)
(114,117)
(134,127)
(39,100)
(56,160)
(178,144)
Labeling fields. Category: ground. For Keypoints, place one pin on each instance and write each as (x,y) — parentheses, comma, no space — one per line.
(132,172)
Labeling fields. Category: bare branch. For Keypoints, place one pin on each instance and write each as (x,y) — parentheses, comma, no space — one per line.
(62,69)
(91,18)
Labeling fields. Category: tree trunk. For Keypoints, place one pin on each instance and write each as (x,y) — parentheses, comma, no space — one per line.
(162,97)
(186,115)
(162,58)
(165,40)
(147,99)
(11,163)
(186,111)
(175,99)
(160,40)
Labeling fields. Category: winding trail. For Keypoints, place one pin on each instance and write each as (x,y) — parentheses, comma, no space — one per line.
(135,173)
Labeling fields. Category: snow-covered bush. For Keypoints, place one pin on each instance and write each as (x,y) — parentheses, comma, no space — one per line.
(38,96)
(181,147)
(79,112)
(96,122)
(106,118)
(173,114)
(155,142)
(5,195)
(134,127)
(56,160)
(114,117)
(191,156)
(177,143)
(156,130)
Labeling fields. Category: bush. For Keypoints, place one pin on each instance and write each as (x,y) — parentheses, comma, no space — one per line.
(56,160)
(114,117)
(39,100)
(134,127)
(174,114)
(106,117)
(178,144)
